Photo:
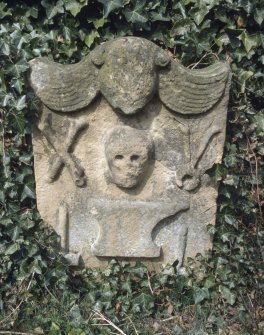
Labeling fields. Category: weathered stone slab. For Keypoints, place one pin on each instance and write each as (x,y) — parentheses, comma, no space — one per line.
(122,148)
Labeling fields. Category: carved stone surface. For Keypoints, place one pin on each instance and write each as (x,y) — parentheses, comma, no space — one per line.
(124,175)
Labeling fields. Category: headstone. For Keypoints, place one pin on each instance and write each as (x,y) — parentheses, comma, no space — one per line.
(122,149)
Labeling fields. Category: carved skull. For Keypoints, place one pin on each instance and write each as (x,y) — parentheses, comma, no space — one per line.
(128,153)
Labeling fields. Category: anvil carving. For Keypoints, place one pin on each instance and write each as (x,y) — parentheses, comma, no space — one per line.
(129,234)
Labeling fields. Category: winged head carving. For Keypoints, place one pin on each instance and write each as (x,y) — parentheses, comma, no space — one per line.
(128,72)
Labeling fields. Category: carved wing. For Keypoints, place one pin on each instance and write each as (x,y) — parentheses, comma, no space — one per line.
(192,91)
(64,88)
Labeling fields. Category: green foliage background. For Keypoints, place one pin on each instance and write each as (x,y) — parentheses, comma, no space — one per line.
(222,293)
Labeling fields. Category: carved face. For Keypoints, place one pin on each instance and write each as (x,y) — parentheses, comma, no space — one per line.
(128,75)
(128,152)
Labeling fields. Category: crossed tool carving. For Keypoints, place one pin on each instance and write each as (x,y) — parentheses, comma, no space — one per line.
(64,150)
(192,172)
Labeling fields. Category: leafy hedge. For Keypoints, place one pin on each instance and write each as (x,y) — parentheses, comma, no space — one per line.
(221,293)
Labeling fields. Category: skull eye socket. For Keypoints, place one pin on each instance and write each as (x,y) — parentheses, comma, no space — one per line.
(119,157)
(134,157)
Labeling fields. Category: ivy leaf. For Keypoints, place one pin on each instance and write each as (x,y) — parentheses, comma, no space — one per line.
(243,77)
(32,250)
(247,5)
(15,232)
(6,222)
(20,122)
(158,17)
(21,103)
(2,196)
(51,9)
(177,330)
(198,14)
(74,6)
(99,23)
(5,48)
(89,39)
(111,5)
(126,286)
(35,267)
(259,119)
(98,306)
(27,193)
(3,12)
(23,40)
(209,282)
(227,294)
(259,15)
(229,219)
(14,247)
(26,171)
(230,160)
(2,83)
(145,301)
(33,11)
(135,15)
(18,85)
(6,98)
(18,68)
(201,294)
(249,41)
(26,224)
(138,270)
